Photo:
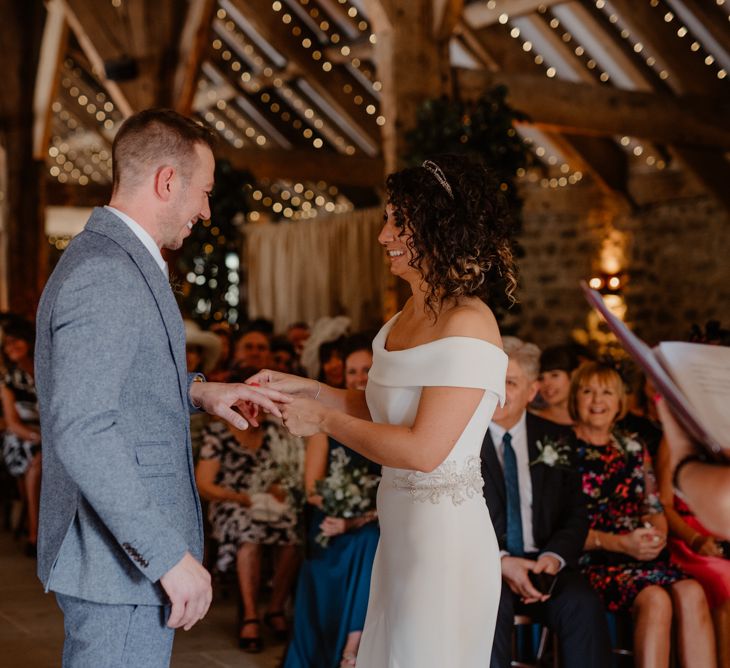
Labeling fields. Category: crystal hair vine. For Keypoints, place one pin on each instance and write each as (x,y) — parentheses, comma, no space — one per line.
(438,174)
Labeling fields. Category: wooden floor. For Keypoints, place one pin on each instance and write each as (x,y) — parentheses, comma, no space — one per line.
(31,626)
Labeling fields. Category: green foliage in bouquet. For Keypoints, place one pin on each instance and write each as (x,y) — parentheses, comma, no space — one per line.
(208,266)
(347,491)
(483,128)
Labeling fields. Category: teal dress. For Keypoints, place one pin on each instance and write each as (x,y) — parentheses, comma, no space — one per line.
(333,587)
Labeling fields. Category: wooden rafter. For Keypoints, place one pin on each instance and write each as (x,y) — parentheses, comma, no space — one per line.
(563,106)
(302,164)
(330,85)
(193,45)
(598,156)
(446,15)
(689,75)
(55,34)
(481,14)
(96,59)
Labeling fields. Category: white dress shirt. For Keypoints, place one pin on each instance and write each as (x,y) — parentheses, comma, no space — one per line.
(144,236)
(519,445)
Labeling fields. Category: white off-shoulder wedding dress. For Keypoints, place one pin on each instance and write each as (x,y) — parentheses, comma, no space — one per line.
(436,579)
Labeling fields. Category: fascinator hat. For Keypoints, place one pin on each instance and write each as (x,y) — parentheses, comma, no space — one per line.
(208,342)
(324,331)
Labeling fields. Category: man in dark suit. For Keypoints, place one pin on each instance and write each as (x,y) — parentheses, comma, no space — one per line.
(539,515)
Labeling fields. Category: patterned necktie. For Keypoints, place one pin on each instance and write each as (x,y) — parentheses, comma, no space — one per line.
(515,543)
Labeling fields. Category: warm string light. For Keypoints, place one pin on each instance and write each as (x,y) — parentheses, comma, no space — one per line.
(636,148)
(313,123)
(566,177)
(694,45)
(297,201)
(580,52)
(316,50)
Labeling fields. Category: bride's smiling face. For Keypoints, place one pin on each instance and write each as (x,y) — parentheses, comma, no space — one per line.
(395,240)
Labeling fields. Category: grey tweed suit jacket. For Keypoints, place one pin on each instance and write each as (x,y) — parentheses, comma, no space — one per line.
(119,505)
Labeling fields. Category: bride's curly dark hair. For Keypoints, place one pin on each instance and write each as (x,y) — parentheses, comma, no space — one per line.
(461,240)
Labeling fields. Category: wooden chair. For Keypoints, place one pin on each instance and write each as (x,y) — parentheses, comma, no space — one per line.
(545,637)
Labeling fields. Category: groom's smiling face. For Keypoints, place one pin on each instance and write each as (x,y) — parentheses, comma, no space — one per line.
(190,201)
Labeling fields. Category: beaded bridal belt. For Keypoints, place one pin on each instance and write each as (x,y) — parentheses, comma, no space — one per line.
(460,485)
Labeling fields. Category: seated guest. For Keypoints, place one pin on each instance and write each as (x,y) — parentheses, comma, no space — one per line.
(704,485)
(626,560)
(334,582)
(22,441)
(297,333)
(641,417)
(539,516)
(698,553)
(251,349)
(556,366)
(283,356)
(251,478)
(222,368)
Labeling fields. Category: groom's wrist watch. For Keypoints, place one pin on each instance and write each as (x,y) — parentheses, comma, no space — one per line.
(198,378)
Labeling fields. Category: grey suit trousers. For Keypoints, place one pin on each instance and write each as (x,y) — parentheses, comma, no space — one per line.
(115,636)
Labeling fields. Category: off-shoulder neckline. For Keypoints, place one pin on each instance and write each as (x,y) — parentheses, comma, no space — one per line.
(389,325)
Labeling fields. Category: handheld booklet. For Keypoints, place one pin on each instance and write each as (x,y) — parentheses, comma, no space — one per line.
(693,378)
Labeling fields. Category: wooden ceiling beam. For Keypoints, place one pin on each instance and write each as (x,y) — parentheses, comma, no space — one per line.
(53,47)
(96,59)
(687,72)
(576,108)
(481,15)
(330,85)
(446,16)
(598,157)
(306,165)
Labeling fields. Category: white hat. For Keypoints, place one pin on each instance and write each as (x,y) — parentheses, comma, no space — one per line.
(209,342)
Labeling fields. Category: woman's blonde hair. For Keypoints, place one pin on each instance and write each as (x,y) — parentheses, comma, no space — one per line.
(605,375)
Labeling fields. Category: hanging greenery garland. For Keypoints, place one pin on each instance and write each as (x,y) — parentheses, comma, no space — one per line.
(483,128)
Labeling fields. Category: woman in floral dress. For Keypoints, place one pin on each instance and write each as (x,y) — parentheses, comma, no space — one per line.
(21,444)
(254,480)
(626,560)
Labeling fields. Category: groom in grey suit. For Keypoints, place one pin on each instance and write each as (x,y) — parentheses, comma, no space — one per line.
(121,536)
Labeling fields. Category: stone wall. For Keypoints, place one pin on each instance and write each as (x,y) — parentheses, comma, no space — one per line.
(675,255)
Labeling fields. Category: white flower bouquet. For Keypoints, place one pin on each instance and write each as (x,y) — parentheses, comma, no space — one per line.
(347,491)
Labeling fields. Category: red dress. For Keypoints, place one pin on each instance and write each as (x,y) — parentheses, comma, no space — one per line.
(713,573)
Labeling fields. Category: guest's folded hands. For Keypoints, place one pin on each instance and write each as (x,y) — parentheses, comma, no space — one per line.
(515,571)
(643,544)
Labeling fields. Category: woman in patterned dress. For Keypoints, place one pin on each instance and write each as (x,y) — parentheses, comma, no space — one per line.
(22,441)
(626,560)
(253,479)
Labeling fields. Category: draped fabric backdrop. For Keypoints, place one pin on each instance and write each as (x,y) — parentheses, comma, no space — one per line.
(313,268)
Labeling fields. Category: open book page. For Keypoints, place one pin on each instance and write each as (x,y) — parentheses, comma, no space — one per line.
(702,372)
(705,433)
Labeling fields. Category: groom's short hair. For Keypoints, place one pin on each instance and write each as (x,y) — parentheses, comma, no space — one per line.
(152,138)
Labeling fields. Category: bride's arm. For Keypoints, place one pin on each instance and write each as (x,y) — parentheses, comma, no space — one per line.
(351,402)
(443,414)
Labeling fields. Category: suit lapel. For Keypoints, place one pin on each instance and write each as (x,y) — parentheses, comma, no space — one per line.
(494,468)
(108,224)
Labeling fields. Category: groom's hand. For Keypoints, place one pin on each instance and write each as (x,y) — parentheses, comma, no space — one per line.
(220,399)
(187,585)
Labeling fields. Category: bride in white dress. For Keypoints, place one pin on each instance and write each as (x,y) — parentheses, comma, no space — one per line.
(438,372)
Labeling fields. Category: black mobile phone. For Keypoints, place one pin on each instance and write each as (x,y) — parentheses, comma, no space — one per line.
(543,582)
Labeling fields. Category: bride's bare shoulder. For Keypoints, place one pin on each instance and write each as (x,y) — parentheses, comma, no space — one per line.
(474,319)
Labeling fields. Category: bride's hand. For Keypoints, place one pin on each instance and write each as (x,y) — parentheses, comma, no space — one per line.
(303,417)
(296,386)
